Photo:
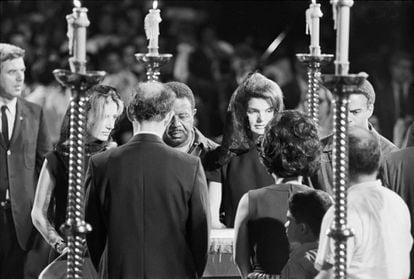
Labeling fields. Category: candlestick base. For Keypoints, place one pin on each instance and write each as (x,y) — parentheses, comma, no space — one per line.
(343,84)
(80,82)
(153,63)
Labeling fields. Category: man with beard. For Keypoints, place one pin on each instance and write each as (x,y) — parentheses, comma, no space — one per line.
(181,133)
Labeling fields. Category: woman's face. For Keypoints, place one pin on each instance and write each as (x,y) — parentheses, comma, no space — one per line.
(101,127)
(259,113)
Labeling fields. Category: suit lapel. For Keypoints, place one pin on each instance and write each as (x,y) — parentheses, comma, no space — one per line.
(20,116)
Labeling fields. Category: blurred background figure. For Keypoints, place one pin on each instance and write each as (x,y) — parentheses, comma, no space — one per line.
(50,95)
(395,111)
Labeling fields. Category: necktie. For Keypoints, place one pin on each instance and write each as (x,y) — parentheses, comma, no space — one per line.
(4,125)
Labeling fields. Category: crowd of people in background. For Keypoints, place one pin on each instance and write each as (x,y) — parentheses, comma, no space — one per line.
(221,141)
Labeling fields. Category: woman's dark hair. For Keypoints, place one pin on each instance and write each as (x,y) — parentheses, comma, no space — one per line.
(237,135)
(291,145)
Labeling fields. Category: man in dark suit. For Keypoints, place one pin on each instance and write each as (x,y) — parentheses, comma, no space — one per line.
(147,200)
(397,174)
(23,143)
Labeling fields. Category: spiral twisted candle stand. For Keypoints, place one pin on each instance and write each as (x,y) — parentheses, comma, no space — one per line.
(341,86)
(75,227)
(314,63)
(153,63)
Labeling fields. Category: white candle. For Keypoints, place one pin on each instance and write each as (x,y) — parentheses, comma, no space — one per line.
(152,30)
(78,22)
(342,36)
(313,15)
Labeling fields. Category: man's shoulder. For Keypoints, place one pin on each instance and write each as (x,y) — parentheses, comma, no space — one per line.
(386,145)
(29,106)
(207,144)
(402,155)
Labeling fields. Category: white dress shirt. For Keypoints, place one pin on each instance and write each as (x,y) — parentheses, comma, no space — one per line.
(380,247)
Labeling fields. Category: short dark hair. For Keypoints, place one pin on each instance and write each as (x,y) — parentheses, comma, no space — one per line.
(9,52)
(367,90)
(182,90)
(364,151)
(291,145)
(152,101)
(309,207)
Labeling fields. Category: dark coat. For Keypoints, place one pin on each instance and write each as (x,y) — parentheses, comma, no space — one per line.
(28,145)
(398,175)
(150,202)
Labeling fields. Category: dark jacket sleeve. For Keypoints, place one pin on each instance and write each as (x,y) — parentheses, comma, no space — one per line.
(43,143)
(198,226)
(96,239)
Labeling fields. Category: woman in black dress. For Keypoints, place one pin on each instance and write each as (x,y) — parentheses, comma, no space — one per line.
(239,170)
(49,209)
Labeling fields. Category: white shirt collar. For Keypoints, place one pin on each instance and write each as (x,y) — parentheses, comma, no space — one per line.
(11,106)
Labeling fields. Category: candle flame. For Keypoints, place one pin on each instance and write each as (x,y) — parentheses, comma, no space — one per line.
(77,3)
(313,1)
(155,4)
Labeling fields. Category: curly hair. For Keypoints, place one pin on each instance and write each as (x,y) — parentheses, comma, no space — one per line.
(182,90)
(152,101)
(291,145)
(237,134)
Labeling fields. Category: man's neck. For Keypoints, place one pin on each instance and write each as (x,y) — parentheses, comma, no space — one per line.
(362,178)
(157,128)
(6,101)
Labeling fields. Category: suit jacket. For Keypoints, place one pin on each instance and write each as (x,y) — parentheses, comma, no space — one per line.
(149,202)
(28,145)
(398,175)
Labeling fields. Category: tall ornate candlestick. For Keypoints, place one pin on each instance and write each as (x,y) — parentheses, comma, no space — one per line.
(341,84)
(314,60)
(152,60)
(79,80)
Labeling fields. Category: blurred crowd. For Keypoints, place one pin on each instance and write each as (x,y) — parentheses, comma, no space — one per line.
(210,65)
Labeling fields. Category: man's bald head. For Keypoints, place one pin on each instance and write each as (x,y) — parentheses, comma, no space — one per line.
(152,101)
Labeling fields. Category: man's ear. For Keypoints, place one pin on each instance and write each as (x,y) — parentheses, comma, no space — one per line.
(370,110)
(194,111)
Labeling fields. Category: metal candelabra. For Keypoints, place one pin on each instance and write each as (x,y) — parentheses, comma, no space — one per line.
(314,62)
(75,228)
(153,63)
